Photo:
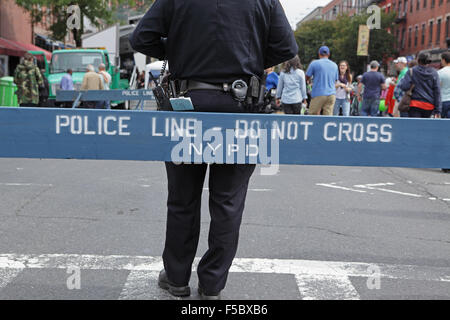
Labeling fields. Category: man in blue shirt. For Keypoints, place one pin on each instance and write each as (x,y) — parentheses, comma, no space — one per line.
(66,81)
(324,74)
(272,79)
(373,82)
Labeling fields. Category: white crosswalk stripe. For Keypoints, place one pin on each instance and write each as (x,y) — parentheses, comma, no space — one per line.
(316,280)
(7,275)
(326,287)
(143,285)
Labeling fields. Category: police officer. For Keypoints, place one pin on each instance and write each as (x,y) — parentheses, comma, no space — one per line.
(209,45)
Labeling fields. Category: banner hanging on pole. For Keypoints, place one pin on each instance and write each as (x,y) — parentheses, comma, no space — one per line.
(363,40)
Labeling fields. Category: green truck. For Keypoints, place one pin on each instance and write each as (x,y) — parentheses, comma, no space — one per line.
(78,60)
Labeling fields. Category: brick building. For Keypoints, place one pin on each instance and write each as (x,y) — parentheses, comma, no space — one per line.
(422,25)
(14,22)
(316,14)
(336,7)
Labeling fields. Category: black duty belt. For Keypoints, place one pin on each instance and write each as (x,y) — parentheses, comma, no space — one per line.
(190,85)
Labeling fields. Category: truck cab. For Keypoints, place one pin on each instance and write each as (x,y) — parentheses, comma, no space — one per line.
(78,60)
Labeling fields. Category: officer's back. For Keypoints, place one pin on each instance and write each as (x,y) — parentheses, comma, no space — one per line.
(210,46)
(216,41)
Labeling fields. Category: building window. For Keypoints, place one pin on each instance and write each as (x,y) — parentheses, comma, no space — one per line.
(425,3)
(447,27)
(418,5)
(438,32)
(424,29)
(403,38)
(411,6)
(409,37)
(433,2)
(416,36)
(430,39)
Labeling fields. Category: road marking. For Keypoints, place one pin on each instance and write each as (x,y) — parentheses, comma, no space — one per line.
(25,184)
(315,279)
(253,190)
(7,275)
(380,184)
(326,287)
(334,186)
(143,285)
(374,187)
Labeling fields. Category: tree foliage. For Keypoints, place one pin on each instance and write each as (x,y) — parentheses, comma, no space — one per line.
(341,36)
(97,11)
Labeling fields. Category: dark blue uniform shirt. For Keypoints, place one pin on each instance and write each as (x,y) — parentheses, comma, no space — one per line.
(216,41)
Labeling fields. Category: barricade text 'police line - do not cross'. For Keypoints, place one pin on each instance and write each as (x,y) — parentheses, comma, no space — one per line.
(223,138)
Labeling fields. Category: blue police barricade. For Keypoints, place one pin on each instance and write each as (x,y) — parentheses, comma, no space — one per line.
(101,95)
(223,138)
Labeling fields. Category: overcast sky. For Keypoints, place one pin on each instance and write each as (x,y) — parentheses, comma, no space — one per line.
(296,10)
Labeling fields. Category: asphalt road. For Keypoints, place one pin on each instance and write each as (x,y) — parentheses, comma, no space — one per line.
(98,228)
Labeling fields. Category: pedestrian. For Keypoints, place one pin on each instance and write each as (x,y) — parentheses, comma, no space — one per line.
(106,81)
(67,81)
(401,64)
(444,77)
(373,82)
(291,90)
(272,79)
(67,84)
(343,88)
(324,74)
(426,96)
(28,79)
(91,81)
(357,96)
(140,80)
(44,91)
(223,45)
(412,64)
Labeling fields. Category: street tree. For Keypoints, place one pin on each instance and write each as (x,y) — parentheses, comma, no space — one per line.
(99,12)
(341,35)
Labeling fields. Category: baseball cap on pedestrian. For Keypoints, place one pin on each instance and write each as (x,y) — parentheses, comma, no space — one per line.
(401,60)
(324,51)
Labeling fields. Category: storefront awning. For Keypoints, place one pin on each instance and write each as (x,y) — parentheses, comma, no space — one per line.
(18,49)
(9,48)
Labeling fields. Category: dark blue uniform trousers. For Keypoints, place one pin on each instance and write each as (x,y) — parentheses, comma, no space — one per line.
(228,186)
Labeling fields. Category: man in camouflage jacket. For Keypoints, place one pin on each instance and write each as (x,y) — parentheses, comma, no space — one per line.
(28,79)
